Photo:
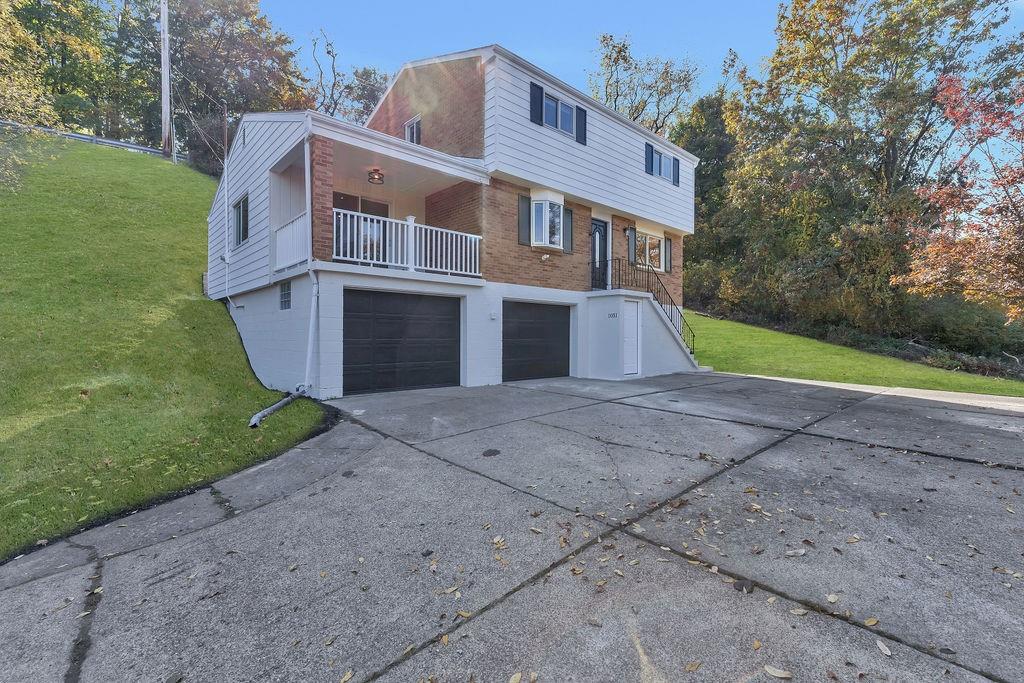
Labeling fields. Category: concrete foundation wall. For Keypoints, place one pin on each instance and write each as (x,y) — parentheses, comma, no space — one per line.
(276,340)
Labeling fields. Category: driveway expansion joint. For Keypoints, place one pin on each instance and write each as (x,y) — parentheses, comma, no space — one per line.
(808,604)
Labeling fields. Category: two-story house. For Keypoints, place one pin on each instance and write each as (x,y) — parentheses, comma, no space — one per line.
(489,223)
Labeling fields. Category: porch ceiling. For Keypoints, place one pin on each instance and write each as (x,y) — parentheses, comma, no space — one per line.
(400,175)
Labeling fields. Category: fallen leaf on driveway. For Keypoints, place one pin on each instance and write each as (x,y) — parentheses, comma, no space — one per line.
(853,539)
(757,645)
(464,614)
(347,677)
(692,666)
(883,648)
(444,639)
(516,677)
(832,597)
(870,621)
(795,553)
(777,673)
(798,611)
(536,530)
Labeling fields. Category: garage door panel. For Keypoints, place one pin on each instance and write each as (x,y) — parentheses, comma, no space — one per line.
(400,341)
(535,341)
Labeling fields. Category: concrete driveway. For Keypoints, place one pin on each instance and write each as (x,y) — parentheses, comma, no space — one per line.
(692,527)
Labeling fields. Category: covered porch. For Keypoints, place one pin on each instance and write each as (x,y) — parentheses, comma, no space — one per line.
(377,202)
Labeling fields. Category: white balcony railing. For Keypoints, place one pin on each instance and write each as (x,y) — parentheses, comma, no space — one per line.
(291,242)
(372,240)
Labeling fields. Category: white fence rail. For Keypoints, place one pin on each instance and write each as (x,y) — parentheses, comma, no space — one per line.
(291,242)
(373,240)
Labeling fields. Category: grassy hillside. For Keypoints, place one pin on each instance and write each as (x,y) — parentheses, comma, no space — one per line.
(734,347)
(119,381)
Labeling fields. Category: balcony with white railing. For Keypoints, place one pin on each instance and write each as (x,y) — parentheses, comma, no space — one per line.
(388,242)
(291,242)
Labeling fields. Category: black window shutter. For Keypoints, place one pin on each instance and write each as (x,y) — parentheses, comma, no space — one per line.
(666,258)
(649,158)
(581,125)
(567,230)
(631,245)
(524,219)
(675,171)
(537,104)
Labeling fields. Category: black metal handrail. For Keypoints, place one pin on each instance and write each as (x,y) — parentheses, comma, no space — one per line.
(619,273)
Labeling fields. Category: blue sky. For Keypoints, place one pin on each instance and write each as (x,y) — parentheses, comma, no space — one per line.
(560,37)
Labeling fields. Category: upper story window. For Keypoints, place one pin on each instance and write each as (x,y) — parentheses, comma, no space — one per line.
(241,216)
(661,164)
(547,224)
(547,109)
(560,115)
(412,130)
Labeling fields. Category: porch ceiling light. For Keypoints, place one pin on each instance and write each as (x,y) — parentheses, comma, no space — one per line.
(375,177)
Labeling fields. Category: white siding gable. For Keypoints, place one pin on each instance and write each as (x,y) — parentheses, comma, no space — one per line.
(267,138)
(608,171)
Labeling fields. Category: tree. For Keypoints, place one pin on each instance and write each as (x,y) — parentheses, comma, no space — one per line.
(70,35)
(336,93)
(23,94)
(832,144)
(226,51)
(650,91)
(971,241)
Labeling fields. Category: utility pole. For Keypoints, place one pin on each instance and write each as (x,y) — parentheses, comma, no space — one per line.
(165,81)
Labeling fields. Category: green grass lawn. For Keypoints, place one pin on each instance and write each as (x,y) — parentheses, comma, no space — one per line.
(734,347)
(119,381)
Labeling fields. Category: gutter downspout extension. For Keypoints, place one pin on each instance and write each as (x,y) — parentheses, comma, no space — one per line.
(314,302)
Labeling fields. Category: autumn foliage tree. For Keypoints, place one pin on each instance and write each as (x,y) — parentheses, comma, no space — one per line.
(971,240)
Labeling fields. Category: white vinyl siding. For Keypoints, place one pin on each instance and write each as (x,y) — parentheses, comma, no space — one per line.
(268,137)
(607,171)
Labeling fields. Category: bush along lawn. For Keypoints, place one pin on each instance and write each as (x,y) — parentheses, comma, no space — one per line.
(736,347)
(121,382)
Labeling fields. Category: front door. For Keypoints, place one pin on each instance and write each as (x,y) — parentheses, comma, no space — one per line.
(598,254)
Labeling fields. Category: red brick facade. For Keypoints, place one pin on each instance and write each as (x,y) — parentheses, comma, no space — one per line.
(620,249)
(449,99)
(459,207)
(506,260)
(321,153)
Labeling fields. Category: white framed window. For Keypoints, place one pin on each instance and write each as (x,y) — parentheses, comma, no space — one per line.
(546,228)
(286,295)
(559,115)
(649,251)
(413,129)
(241,219)
(662,165)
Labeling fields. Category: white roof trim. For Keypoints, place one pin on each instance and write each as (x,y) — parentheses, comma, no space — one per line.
(487,50)
(388,145)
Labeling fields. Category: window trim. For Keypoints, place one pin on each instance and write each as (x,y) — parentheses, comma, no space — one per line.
(559,103)
(418,119)
(661,250)
(546,221)
(236,209)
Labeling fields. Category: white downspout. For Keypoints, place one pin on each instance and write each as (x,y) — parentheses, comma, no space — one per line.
(227,231)
(314,302)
